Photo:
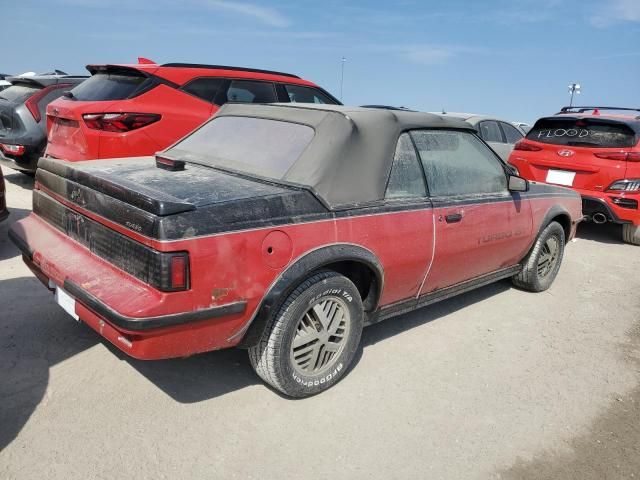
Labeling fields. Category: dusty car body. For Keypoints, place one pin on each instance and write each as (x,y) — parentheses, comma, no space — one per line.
(4,213)
(285,230)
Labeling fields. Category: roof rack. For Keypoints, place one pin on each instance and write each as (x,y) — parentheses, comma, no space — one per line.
(224,67)
(588,109)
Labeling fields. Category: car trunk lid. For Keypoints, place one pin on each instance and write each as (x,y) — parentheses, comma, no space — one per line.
(138,195)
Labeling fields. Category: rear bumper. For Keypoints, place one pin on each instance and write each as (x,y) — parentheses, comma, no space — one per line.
(617,207)
(26,163)
(139,320)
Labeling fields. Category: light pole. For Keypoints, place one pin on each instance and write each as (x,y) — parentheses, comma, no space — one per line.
(344,60)
(573,88)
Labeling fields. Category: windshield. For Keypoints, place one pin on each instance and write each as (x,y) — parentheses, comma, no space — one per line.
(259,146)
(18,93)
(582,132)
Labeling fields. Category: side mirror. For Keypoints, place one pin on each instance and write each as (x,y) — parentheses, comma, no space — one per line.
(518,184)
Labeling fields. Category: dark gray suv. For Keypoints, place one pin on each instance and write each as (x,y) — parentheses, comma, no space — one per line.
(23,122)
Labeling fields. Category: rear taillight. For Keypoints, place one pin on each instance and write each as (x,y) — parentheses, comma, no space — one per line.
(32,102)
(178,271)
(16,150)
(620,156)
(174,272)
(525,146)
(119,122)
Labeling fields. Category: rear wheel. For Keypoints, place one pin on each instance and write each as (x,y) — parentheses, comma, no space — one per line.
(311,342)
(631,233)
(543,262)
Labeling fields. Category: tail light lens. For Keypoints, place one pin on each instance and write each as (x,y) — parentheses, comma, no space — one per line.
(627,185)
(175,272)
(119,122)
(16,150)
(178,271)
(525,146)
(620,156)
(32,102)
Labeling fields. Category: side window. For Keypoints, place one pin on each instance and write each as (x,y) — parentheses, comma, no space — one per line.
(204,88)
(300,94)
(490,131)
(511,133)
(251,92)
(406,179)
(458,163)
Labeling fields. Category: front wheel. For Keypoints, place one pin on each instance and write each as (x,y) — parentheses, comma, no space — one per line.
(631,233)
(543,262)
(310,343)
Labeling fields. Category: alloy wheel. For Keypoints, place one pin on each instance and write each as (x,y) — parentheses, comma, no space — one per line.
(321,335)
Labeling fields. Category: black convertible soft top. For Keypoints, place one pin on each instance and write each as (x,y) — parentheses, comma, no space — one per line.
(349,159)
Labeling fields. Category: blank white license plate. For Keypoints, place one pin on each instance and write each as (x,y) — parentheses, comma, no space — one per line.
(560,177)
(67,302)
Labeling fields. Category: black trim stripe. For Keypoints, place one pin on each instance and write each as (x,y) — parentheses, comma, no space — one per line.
(405,306)
(147,323)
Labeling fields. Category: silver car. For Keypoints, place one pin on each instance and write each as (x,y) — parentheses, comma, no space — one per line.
(501,135)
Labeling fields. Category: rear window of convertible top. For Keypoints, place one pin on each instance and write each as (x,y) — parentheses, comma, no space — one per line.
(264,147)
(583,132)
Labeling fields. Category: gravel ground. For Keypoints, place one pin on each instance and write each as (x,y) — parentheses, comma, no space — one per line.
(497,383)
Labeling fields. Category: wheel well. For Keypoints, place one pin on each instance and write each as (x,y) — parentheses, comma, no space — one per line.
(363,277)
(565,222)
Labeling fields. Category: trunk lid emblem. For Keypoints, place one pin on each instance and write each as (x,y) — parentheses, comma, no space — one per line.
(566,152)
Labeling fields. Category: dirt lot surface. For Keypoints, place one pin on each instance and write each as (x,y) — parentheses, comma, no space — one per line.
(497,383)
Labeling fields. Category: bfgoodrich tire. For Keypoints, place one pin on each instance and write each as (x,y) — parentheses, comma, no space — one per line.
(310,343)
(543,262)
(631,233)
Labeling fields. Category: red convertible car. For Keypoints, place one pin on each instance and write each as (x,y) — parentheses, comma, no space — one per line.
(286,229)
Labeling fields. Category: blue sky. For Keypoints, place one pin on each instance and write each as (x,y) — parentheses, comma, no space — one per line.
(511,58)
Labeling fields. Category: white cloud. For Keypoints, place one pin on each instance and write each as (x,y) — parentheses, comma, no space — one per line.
(427,55)
(432,54)
(266,15)
(616,11)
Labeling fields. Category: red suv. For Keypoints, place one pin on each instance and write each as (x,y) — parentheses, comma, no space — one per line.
(596,154)
(136,110)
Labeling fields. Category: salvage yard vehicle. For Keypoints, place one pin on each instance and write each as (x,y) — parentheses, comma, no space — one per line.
(596,154)
(23,133)
(137,110)
(286,229)
(4,213)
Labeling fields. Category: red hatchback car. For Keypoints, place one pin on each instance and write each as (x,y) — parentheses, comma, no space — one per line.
(137,110)
(285,230)
(596,154)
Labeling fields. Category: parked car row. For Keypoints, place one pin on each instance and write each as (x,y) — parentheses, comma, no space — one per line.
(285,223)
(128,110)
